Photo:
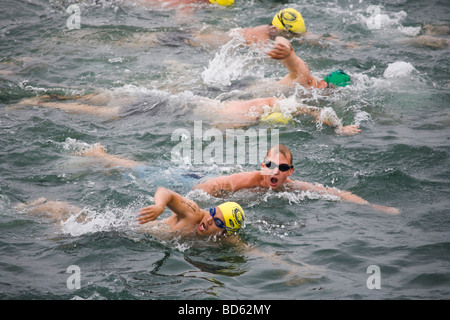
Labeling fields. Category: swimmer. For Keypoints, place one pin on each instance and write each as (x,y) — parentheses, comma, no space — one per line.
(428,41)
(275,174)
(299,72)
(288,23)
(248,112)
(222,222)
(176,3)
(184,8)
(187,219)
(102,105)
(233,114)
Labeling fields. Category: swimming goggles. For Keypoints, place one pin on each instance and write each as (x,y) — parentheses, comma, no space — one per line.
(219,223)
(282,167)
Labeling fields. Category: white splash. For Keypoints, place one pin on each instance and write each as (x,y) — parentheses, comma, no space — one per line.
(232,63)
(380,21)
(398,69)
(73,145)
(91,221)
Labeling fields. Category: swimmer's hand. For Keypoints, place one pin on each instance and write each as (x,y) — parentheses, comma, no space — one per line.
(150,213)
(280,51)
(386,210)
(348,130)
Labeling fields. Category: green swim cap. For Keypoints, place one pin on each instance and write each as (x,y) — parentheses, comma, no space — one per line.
(338,78)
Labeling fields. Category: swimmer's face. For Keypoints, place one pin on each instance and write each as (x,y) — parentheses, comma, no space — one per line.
(275,178)
(207,227)
(275,32)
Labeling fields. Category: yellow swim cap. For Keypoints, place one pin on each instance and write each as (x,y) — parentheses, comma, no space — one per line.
(290,20)
(233,215)
(275,117)
(222,2)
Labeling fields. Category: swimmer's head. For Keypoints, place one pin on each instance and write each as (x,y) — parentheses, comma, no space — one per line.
(337,78)
(222,2)
(277,167)
(290,20)
(233,216)
(276,118)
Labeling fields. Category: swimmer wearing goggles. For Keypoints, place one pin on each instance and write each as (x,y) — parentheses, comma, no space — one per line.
(233,215)
(275,174)
(188,219)
(282,167)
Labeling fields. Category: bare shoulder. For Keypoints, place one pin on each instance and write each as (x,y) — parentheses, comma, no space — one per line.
(248,178)
(256,34)
(298,185)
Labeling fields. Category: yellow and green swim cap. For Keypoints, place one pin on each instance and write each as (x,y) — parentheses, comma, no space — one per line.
(289,19)
(233,215)
(222,2)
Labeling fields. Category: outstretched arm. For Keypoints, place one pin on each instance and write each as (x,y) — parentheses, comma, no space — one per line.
(219,186)
(328,117)
(167,198)
(325,40)
(344,195)
(97,151)
(216,186)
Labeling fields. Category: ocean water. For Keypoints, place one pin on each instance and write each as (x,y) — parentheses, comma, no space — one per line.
(314,246)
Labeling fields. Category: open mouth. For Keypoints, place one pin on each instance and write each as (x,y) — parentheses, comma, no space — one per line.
(202,227)
(273,181)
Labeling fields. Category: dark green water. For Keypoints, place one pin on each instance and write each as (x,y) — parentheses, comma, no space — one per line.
(400,159)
